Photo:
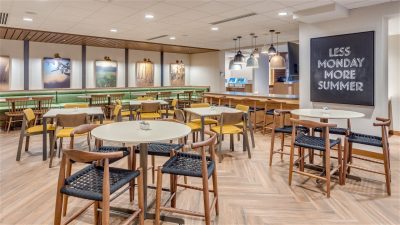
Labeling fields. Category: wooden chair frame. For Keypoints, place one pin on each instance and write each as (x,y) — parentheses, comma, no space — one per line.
(208,208)
(327,162)
(15,110)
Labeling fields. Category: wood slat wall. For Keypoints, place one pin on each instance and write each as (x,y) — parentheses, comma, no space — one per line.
(74,39)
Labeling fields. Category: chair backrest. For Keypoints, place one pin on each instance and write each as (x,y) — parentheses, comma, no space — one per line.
(117,112)
(152,94)
(29,117)
(243,108)
(118,102)
(199,105)
(71,120)
(17,105)
(116,96)
(43,103)
(271,104)
(312,125)
(76,105)
(202,145)
(145,98)
(150,107)
(384,123)
(99,100)
(279,113)
(164,95)
(231,118)
(179,115)
(174,103)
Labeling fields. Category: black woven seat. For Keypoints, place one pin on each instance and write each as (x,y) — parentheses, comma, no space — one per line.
(333,130)
(251,109)
(88,182)
(317,143)
(365,139)
(161,149)
(288,129)
(106,149)
(187,164)
(270,112)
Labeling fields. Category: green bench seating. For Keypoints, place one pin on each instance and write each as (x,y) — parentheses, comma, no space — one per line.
(71,95)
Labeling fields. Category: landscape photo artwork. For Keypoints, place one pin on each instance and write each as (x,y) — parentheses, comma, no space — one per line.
(106,73)
(56,72)
(145,73)
(4,73)
(177,74)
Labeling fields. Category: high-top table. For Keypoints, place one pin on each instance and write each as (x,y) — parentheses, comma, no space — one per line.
(129,132)
(325,114)
(52,113)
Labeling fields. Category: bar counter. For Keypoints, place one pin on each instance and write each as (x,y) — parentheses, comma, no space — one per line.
(286,99)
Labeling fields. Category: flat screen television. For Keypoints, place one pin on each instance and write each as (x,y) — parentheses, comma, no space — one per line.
(232,80)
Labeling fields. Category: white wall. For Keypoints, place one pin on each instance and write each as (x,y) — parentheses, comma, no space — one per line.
(37,51)
(205,69)
(261,75)
(171,58)
(394,70)
(362,19)
(98,53)
(15,50)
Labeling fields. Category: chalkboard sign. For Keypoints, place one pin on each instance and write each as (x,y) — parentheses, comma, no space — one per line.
(342,69)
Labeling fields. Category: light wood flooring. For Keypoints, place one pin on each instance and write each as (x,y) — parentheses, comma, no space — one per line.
(251,192)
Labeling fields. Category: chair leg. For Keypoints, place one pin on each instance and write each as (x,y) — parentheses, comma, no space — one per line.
(132,183)
(141,197)
(328,172)
(291,164)
(246,142)
(9,124)
(20,143)
(215,188)
(133,168)
(340,161)
(271,151)
(60,147)
(96,212)
(153,169)
(27,143)
(301,154)
(282,144)
(158,197)
(345,158)
(174,179)
(58,209)
(65,201)
(231,142)
(52,152)
(88,142)
(386,160)
(206,198)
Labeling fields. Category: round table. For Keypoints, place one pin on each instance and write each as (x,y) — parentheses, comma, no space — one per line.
(129,132)
(325,114)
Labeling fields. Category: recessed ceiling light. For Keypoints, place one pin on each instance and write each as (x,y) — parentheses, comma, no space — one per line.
(27,19)
(283,13)
(214,28)
(149,16)
(113,30)
(172,38)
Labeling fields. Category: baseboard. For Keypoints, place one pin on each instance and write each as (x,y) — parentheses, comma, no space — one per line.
(394,132)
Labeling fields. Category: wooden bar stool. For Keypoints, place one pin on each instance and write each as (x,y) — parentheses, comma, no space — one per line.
(376,141)
(302,141)
(192,165)
(269,107)
(104,182)
(280,127)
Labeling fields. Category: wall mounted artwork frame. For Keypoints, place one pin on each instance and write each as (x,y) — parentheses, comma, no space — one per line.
(177,73)
(106,73)
(56,72)
(145,73)
(5,68)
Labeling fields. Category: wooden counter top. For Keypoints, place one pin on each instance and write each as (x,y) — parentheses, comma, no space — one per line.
(288,99)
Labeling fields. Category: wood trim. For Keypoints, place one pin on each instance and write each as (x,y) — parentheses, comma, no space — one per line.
(12,33)
(394,132)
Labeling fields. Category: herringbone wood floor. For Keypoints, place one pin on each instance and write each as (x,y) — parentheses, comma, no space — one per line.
(251,192)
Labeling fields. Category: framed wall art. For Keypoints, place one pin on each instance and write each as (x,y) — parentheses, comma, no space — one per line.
(5,69)
(145,73)
(106,73)
(177,73)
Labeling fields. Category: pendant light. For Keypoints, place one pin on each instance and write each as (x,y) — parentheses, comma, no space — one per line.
(239,57)
(256,52)
(271,51)
(252,61)
(277,61)
(233,66)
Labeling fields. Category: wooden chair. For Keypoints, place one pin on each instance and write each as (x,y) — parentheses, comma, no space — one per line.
(279,126)
(207,120)
(245,109)
(30,129)
(254,109)
(171,108)
(185,99)
(15,112)
(64,126)
(104,180)
(150,111)
(164,95)
(100,100)
(76,105)
(113,98)
(376,141)
(192,165)
(195,127)
(228,125)
(114,117)
(42,105)
(269,107)
(125,112)
(198,96)
(324,144)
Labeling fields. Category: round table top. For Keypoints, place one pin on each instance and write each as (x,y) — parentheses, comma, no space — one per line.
(327,113)
(130,132)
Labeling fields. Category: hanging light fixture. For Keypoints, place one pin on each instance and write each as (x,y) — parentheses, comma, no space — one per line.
(233,66)
(271,51)
(256,52)
(239,57)
(252,61)
(277,61)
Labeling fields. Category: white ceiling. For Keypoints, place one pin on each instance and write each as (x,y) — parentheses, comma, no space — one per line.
(187,20)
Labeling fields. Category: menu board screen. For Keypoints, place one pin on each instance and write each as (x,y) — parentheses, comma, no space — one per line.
(342,69)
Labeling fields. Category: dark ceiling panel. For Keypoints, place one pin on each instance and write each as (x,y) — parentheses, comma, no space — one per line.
(61,38)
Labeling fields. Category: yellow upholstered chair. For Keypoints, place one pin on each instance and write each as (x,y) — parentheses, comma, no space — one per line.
(125,112)
(180,116)
(76,105)
(150,111)
(65,123)
(29,129)
(171,110)
(228,125)
(207,121)
(145,98)
(246,109)
(116,115)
